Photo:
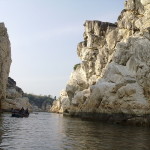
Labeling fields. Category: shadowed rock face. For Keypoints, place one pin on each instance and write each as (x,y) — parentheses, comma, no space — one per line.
(5,59)
(12,90)
(11,83)
(114,75)
(14,97)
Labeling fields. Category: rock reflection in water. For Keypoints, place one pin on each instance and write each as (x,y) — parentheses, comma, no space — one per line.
(45,131)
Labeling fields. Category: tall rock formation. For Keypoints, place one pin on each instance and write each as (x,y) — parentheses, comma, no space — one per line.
(11,96)
(5,60)
(114,75)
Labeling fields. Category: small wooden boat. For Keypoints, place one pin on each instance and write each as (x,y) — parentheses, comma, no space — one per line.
(20,113)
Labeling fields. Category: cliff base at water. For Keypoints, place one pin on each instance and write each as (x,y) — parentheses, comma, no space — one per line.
(112,82)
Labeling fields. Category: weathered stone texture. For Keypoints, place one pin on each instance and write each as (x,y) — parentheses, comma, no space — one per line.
(114,75)
(14,97)
(11,96)
(5,59)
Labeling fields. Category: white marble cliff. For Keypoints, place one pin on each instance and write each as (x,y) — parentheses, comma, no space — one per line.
(11,96)
(5,60)
(114,75)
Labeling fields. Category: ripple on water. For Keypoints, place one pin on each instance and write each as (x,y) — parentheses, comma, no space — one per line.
(45,131)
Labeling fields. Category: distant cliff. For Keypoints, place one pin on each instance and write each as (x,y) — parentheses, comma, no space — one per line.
(112,82)
(39,102)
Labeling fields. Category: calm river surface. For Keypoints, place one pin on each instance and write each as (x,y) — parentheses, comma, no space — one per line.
(46,131)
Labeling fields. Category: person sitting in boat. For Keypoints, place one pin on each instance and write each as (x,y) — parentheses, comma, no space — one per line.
(12,110)
(26,111)
(21,111)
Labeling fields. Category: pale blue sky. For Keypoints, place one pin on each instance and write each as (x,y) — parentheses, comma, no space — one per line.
(44,35)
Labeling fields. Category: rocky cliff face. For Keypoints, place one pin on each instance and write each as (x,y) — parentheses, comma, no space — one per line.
(114,75)
(14,97)
(11,96)
(40,103)
(5,60)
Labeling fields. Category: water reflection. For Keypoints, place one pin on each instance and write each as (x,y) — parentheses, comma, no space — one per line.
(90,135)
(46,131)
(1,128)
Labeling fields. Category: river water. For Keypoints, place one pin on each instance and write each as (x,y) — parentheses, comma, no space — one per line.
(46,131)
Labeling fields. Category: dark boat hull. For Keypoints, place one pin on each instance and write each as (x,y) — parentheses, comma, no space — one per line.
(20,115)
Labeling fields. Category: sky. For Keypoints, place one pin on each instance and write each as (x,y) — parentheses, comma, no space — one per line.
(44,35)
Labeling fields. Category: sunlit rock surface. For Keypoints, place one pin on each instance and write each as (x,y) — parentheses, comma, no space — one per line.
(114,75)
(11,96)
(5,60)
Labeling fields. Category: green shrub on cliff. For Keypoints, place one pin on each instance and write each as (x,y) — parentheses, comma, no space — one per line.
(75,66)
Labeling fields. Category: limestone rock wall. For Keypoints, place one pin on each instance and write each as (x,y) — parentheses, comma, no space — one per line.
(61,104)
(11,96)
(13,91)
(14,97)
(5,60)
(114,75)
